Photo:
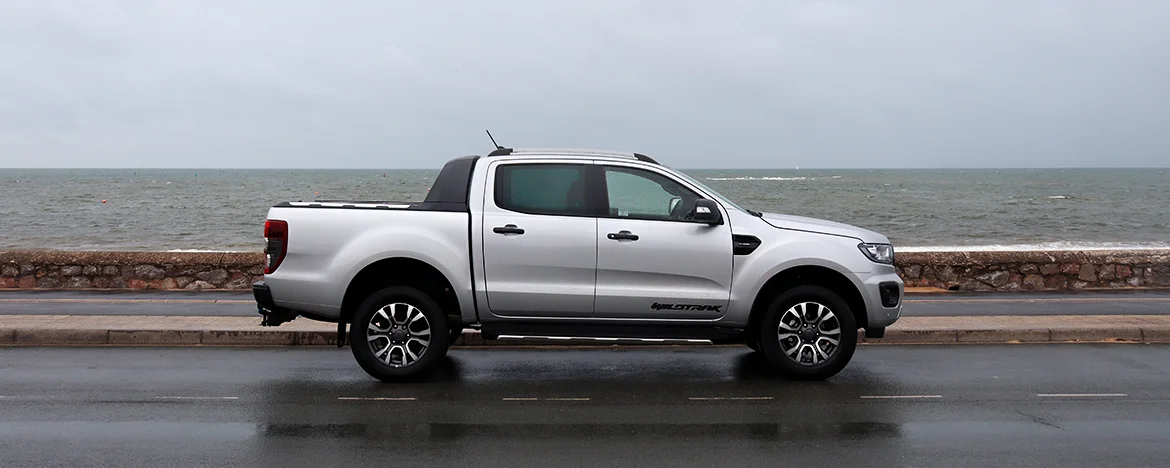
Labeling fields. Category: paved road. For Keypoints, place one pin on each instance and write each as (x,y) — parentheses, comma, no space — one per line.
(986,405)
(240,304)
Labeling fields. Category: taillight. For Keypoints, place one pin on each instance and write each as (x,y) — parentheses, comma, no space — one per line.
(276,236)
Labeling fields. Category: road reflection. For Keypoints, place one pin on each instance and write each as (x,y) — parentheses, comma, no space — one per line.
(624,398)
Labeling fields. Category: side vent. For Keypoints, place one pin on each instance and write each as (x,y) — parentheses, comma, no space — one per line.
(743,244)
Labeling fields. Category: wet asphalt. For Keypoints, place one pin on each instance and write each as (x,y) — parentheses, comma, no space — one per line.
(1081,405)
(241,304)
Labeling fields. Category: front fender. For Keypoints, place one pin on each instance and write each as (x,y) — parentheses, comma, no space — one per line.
(787,250)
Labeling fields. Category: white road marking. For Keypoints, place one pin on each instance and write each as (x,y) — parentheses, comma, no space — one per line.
(730,398)
(198,398)
(898,397)
(544,399)
(346,398)
(1078,395)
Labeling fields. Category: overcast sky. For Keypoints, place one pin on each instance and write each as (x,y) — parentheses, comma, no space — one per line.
(696,84)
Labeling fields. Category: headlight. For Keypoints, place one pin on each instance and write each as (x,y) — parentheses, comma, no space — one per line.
(879,253)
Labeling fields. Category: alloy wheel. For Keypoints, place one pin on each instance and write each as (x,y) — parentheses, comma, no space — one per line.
(398,334)
(809,333)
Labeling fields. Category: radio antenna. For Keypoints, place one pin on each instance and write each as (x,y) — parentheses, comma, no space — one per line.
(493,140)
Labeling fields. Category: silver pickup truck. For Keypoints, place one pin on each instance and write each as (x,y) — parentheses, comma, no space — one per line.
(575,243)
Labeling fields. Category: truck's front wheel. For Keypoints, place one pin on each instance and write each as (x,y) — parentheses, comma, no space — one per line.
(398,333)
(808,333)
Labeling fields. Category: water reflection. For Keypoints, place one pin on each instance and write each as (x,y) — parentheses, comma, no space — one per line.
(442,431)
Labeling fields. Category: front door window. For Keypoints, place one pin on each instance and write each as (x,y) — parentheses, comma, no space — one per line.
(640,194)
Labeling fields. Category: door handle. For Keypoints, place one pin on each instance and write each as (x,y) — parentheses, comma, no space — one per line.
(622,235)
(508,229)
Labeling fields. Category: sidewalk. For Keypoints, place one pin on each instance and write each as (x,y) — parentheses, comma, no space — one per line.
(56,330)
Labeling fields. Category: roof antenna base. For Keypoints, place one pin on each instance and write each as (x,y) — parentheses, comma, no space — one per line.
(500,150)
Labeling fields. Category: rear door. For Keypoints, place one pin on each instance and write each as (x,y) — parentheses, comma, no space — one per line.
(539,240)
(651,261)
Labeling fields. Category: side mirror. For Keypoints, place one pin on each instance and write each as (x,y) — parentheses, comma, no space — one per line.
(706,211)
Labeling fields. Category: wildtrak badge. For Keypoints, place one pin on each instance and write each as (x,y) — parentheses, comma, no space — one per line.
(713,308)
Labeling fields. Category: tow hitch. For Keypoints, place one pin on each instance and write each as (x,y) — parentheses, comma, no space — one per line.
(273,315)
(274,318)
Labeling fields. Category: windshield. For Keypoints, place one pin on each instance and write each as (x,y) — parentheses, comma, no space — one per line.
(720,198)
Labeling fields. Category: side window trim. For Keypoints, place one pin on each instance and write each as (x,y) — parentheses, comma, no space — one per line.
(590,209)
(602,191)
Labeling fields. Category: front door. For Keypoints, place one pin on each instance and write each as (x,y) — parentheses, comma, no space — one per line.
(651,261)
(539,240)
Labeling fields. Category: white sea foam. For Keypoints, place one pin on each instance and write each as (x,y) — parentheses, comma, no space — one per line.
(1063,245)
(760,178)
(1059,197)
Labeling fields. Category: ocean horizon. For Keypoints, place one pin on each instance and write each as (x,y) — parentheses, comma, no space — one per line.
(919,209)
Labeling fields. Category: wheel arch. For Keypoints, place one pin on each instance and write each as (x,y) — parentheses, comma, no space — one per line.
(401,271)
(809,275)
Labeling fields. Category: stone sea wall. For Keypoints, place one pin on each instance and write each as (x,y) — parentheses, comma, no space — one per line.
(960,271)
(129,270)
(1035,270)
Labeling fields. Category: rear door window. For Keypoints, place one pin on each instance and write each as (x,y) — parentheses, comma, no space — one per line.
(548,189)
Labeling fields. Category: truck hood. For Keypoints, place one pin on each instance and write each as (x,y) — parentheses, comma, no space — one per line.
(823,227)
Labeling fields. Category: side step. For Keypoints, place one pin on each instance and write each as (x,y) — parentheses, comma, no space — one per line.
(659,333)
(577,340)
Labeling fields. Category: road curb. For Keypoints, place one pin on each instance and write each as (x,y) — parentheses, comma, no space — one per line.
(32,337)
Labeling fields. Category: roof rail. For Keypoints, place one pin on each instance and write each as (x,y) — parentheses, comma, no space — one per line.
(644,158)
(584,152)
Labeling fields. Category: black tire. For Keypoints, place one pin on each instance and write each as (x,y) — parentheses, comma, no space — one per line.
(818,358)
(398,300)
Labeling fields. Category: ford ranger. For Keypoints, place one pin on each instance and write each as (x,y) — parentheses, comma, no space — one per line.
(575,243)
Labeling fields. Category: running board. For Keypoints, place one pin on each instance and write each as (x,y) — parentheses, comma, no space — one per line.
(578,339)
(587,331)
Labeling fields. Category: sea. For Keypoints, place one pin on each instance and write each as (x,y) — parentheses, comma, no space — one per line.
(923,210)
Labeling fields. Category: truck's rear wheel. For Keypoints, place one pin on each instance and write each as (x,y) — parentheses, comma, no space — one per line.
(808,333)
(398,333)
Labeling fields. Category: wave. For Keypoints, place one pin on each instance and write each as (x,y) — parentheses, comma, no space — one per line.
(761,178)
(1058,197)
(1060,245)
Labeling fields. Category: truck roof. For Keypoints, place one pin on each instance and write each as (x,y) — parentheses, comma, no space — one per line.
(449,192)
(572,152)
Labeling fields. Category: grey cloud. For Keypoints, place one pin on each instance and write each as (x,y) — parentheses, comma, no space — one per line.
(697,84)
